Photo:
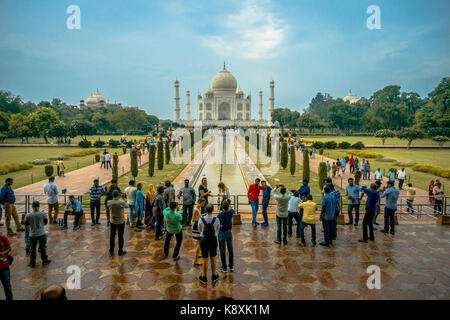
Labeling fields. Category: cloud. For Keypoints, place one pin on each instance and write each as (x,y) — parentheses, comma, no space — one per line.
(251,33)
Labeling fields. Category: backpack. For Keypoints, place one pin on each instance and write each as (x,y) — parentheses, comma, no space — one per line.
(209,233)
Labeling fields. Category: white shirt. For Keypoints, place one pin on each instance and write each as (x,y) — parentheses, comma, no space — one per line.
(51,190)
(130,192)
(378,175)
(401,174)
(107,157)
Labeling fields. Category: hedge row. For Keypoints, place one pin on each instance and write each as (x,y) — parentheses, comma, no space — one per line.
(334,145)
(39,161)
(13,167)
(428,168)
(366,154)
(81,153)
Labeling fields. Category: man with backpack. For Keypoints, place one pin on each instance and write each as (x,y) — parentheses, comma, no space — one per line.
(208,226)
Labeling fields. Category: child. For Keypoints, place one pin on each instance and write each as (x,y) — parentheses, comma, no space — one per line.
(226,236)
(208,226)
(308,219)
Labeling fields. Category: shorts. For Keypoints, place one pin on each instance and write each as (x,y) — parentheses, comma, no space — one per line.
(208,249)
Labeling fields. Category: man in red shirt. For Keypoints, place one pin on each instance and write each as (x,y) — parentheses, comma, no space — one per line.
(253,198)
(5,248)
(352,164)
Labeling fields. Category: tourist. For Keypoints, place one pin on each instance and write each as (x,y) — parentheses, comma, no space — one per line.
(265,203)
(372,199)
(103,160)
(327,216)
(54,292)
(328,168)
(51,191)
(356,164)
(95,193)
(401,178)
(378,175)
(314,153)
(226,237)
(338,167)
(5,272)
(282,197)
(189,198)
(62,168)
(343,163)
(378,206)
(139,206)
(158,208)
(109,196)
(73,207)
(353,191)
(7,198)
(304,190)
(224,193)
(438,193)
(148,216)
(204,192)
(430,191)
(357,176)
(391,175)
(57,167)
(195,233)
(410,193)
(37,220)
(130,194)
(208,226)
(253,198)
(390,207)
(337,195)
(363,169)
(293,213)
(172,218)
(308,219)
(116,208)
(169,193)
(334,168)
(351,161)
(108,160)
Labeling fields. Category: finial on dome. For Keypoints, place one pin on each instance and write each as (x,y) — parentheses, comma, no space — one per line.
(224,66)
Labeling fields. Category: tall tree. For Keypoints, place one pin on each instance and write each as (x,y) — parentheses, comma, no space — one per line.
(42,120)
(410,134)
(309,120)
(284,155)
(323,174)
(292,160)
(151,160)
(20,125)
(160,155)
(383,134)
(306,171)
(167,152)
(320,103)
(134,163)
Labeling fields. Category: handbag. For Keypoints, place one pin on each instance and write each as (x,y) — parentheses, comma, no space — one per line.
(10,258)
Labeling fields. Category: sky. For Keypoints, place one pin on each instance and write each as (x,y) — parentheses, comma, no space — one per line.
(132,51)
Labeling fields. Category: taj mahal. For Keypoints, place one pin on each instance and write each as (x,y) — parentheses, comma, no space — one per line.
(225,104)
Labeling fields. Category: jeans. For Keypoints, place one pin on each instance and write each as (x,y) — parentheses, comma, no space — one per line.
(188,210)
(27,236)
(334,227)
(95,207)
(226,238)
(42,240)
(368,174)
(389,224)
(400,183)
(377,212)
(296,216)
(364,174)
(77,218)
(158,225)
(119,228)
(437,206)
(264,212)
(302,226)
(368,222)
(352,168)
(352,206)
(139,212)
(255,205)
(131,212)
(108,163)
(179,238)
(282,223)
(5,278)
(410,206)
(328,231)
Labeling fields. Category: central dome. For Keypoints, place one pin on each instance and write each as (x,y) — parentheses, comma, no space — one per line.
(224,81)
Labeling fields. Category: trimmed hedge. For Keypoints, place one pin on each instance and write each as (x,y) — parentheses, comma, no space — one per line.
(366,154)
(435,170)
(57,157)
(37,162)
(114,143)
(99,143)
(14,167)
(330,144)
(358,145)
(48,169)
(84,144)
(81,153)
(344,145)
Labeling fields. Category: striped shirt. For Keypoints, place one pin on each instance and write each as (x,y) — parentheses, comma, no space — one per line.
(96,193)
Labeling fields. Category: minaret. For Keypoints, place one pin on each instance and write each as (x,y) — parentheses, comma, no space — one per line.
(271,101)
(188,105)
(260,107)
(177,101)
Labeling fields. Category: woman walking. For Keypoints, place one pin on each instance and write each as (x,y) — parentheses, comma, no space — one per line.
(149,220)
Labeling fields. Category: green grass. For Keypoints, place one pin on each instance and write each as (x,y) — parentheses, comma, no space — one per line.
(371,140)
(76,139)
(35,174)
(418,179)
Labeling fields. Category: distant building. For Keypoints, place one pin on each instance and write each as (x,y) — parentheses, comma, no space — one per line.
(95,101)
(350,97)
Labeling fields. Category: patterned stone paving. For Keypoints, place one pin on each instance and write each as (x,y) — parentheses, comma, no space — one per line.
(414,265)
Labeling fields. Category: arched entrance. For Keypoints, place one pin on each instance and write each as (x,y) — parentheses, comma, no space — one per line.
(224,111)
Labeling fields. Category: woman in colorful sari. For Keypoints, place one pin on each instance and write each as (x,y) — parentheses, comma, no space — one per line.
(149,221)
(430,191)
(139,205)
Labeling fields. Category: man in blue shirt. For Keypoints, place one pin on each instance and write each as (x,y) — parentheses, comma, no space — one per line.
(337,195)
(327,216)
(391,195)
(372,199)
(7,198)
(96,192)
(73,207)
(304,190)
(265,203)
(226,237)
(353,191)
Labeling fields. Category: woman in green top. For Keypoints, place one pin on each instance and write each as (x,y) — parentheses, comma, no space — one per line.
(172,218)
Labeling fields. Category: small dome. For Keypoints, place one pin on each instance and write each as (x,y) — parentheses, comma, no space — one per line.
(208,91)
(350,97)
(239,91)
(224,81)
(91,100)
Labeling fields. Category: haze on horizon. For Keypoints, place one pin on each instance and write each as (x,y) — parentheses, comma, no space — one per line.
(133,50)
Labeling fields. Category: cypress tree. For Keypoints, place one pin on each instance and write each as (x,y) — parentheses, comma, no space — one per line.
(160,155)
(284,155)
(151,160)
(323,174)
(292,164)
(134,163)
(167,151)
(115,167)
(257,141)
(269,147)
(306,173)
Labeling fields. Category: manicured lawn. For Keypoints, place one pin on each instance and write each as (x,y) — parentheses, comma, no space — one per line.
(370,140)
(35,174)
(419,179)
(76,139)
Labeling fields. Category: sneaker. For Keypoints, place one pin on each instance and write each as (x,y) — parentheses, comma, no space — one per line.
(313,244)
(392,233)
(11,233)
(277,242)
(63,227)
(108,224)
(111,253)
(363,240)
(92,224)
(122,253)
(376,223)
(44,263)
(257,223)
(384,231)
(324,244)
(75,228)
(32,265)
(215,278)
(356,224)
(349,223)
(223,270)
(231,269)
(176,258)
(97,222)
(302,244)
(264,225)
(203,279)
(165,257)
